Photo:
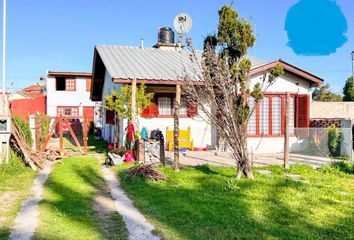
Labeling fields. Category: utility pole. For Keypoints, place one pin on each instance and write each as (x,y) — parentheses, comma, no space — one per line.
(286,132)
(353,64)
(4,48)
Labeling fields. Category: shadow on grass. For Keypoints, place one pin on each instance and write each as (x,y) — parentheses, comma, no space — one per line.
(344,166)
(68,209)
(255,210)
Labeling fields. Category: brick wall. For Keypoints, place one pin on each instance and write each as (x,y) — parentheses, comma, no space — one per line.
(325,123)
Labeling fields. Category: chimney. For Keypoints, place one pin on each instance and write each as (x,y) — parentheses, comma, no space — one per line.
(142,43)
(353,64)
(166,39)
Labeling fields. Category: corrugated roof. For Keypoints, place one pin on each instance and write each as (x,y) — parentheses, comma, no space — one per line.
(124,62)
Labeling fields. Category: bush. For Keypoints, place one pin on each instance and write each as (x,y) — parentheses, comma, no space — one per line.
(91,130)
(334,139)
(24,127)
(43,128)
(344,166)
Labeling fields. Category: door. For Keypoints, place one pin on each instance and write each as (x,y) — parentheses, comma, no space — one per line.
(89,113)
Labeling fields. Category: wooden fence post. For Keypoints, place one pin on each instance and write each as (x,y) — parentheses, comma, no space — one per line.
(61,133)
(286,132)
(85,134)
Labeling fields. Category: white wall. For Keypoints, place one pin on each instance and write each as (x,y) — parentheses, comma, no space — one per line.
(202,133)
(285,83)
(108,129)
(272,145)
(79,98)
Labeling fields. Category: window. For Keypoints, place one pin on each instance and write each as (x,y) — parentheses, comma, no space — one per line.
(292,115)
(276,115)
(182,107)
(65,84)
(165,106)
(60,83)
(269,115)
(264,116)
(70,84)
(252,127)
(68,111)
(88,84)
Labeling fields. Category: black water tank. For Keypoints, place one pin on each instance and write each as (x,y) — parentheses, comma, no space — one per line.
(166,35)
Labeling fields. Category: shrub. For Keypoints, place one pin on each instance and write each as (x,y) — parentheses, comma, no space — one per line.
(91,130)
(43,128)
(334,139)
(344,166)
(24,127)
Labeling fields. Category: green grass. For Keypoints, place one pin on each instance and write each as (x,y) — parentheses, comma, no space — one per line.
(66,211)
(100,146)
(15,181)
(207,203)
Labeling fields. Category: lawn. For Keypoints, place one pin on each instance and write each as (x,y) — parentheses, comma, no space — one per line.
(207,203)
(66,211)
(15,184)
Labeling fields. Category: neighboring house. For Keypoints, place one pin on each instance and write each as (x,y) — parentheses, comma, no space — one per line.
(161,68)
(28,101)
(68,94)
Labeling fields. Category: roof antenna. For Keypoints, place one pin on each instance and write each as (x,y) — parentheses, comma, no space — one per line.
(142,43)
(182,25)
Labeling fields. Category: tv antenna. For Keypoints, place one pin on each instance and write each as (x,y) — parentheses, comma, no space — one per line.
(182,25)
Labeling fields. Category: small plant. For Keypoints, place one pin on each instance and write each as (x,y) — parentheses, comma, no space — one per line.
(334,139)
(120,151)
(231,186)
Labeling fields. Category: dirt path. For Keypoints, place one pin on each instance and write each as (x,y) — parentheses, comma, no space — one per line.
(138,227)
(109,220)
(27,219)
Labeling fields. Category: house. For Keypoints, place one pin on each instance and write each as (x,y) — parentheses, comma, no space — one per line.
(68,94)
(160,69)
(28,101)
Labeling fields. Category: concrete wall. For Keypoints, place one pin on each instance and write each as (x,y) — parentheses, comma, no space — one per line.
(332,110)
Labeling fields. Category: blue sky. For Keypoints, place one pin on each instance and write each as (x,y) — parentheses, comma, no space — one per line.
(59,35)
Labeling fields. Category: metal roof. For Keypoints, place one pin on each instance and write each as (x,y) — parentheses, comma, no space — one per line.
(124,62)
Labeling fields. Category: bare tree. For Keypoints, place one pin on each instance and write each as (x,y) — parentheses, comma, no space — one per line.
(223,98)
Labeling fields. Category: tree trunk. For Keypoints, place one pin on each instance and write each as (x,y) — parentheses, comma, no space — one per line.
(244,166)
(176,128)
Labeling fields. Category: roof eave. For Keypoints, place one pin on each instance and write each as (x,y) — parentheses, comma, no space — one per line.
(315,80)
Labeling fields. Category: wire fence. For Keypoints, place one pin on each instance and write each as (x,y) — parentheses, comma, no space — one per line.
(323,142)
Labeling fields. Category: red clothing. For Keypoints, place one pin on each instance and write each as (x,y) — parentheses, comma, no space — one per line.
(130,131)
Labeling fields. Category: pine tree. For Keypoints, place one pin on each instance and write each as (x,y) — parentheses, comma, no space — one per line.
(324,94)
(226,87)
(348,90)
